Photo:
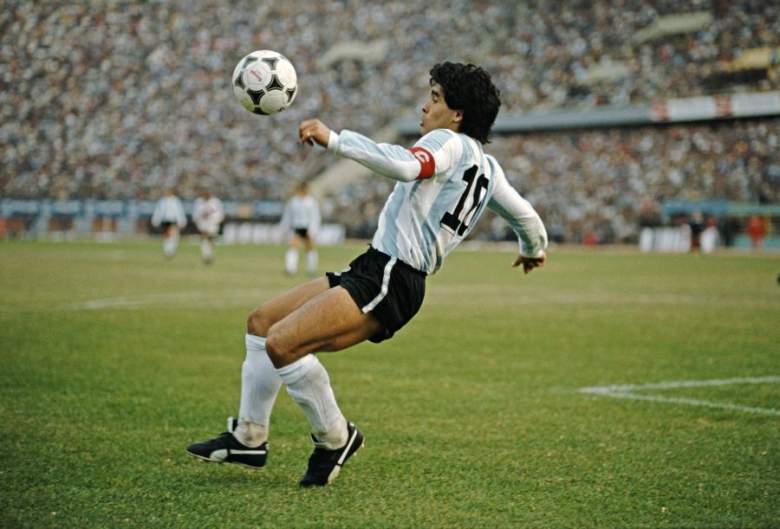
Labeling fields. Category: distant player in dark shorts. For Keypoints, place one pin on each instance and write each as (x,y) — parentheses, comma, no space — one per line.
(445,182)
(169,216)
(302,218)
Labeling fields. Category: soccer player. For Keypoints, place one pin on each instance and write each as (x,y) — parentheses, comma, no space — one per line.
(301,217)
(445,182)
(208,213)
(169,214)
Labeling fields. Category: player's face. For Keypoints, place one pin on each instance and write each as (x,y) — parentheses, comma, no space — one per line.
(436,114)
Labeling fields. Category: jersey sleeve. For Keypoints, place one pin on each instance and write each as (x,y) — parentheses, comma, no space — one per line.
(520,215)
(433,154)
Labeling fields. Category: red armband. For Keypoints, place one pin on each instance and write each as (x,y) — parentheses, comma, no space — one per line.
(427,163)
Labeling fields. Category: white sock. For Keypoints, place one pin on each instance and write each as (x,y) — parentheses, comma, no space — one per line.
(311,261)
(206,249)
(170,244)
(168,247)
(309,385)
(259,386)
(291,261)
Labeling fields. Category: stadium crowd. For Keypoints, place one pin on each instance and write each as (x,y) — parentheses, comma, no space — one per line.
(115,100)
(601,183)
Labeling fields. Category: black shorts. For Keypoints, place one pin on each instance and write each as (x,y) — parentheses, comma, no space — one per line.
(384,286)
(302,232)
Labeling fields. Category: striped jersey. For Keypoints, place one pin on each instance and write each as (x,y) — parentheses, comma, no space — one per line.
(445,183)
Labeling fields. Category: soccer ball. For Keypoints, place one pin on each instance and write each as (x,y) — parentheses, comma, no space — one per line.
(264,82)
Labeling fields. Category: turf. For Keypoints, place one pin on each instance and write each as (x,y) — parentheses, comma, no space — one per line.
(113,360)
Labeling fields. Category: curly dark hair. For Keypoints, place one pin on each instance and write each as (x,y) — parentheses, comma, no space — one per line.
(469,89)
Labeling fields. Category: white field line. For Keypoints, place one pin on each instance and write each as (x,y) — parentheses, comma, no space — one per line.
(211,299)
(628,391)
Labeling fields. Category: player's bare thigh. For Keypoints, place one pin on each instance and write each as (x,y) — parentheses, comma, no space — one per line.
(295,241)
(275,309)
(330,321)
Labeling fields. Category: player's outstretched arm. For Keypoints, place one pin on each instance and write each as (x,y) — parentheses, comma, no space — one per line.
(525,221)
(314,131)
(431,155)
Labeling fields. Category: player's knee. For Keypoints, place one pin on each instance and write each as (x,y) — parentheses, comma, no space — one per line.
(277,351)
(258,322)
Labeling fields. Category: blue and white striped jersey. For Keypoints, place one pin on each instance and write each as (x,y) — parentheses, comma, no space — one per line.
(445,183)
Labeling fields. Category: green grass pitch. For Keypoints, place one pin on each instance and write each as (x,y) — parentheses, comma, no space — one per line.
(114,359)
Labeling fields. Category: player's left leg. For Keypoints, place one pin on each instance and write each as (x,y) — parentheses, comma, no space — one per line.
(330,321)
(309,318)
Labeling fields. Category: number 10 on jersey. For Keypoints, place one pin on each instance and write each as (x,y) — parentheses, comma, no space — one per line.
(458,221)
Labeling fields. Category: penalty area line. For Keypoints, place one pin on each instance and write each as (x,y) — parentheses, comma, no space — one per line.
(629,392)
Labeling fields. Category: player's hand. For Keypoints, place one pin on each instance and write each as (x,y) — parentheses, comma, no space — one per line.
(529,263)
(314,131)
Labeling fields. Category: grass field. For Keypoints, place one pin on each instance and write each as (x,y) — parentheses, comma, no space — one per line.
(113,360)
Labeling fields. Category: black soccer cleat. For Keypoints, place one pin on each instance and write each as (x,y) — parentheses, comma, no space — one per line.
(225,448)
(325,465)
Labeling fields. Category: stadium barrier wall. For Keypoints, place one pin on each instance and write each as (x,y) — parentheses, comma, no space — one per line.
(709,108)
(107,219)
(267,233)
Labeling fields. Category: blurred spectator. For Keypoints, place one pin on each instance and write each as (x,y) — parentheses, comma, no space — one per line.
(756,229)
(116,100)
(709,237)
(696,225)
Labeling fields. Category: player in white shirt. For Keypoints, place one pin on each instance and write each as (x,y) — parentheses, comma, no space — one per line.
(207,213)
(445,182)
(169,214)
(301,218)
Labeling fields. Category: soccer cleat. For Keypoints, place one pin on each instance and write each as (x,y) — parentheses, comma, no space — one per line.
(225,448)
(325,465)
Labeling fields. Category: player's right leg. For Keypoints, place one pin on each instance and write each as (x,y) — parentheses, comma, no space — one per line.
(245,441)
(311,256)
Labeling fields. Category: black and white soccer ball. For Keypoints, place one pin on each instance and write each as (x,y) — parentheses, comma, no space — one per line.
(265,82)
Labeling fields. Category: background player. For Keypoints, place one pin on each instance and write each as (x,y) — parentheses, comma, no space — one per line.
(445,182)
(301,218)
(169,215)
(208,213)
